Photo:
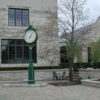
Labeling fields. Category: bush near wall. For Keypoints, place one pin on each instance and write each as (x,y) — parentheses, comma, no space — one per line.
(26,68)
(83,65)
(61,66)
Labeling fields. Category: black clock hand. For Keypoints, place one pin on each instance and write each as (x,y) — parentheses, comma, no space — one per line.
(30,35)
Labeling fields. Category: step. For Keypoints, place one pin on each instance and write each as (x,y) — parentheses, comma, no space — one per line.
(92,82)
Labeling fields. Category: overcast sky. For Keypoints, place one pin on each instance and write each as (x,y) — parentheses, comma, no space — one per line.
(94,7)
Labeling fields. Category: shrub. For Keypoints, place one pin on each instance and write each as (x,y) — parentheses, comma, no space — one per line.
(62,65)
(83,65)
(26,68)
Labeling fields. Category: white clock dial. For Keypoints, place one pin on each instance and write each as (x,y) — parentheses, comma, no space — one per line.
(30,36)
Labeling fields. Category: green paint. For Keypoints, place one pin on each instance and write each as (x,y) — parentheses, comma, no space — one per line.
(31,79)
(31,28)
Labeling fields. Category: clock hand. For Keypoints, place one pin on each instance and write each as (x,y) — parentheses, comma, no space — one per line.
(30,35)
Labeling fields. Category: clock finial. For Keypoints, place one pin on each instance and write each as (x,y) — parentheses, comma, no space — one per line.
(30,28)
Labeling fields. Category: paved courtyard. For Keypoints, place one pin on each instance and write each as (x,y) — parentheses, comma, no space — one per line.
(49,92)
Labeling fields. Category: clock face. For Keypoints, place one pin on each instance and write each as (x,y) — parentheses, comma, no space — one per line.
(30,36)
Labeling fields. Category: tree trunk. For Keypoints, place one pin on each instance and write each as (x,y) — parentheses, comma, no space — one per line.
(71,70)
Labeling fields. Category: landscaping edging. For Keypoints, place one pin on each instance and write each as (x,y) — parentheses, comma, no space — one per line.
(92,82)
(89,73)
(44,75)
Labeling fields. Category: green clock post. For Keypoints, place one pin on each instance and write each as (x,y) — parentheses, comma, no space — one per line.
(30,37)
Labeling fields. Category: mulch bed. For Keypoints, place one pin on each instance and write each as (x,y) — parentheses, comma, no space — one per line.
(65,83)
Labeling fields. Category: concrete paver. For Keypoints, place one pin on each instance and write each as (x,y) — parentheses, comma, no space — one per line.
(49,92)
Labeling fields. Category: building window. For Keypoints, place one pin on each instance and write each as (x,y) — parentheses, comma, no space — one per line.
(18,17)
(63,55)
(16,51)
(89,54)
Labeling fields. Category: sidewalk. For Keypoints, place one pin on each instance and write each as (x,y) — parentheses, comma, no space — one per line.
(49,92)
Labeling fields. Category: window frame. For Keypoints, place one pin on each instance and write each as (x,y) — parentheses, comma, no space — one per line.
(15,45)
(15,17)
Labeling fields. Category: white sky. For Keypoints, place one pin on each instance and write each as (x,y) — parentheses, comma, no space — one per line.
(94,7)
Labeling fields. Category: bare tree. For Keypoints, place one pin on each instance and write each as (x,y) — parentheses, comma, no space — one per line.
(72,17)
